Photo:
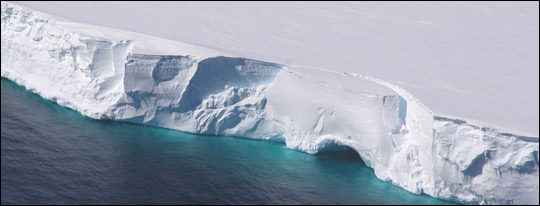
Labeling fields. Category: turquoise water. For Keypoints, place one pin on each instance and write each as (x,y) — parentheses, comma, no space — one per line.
(53,155)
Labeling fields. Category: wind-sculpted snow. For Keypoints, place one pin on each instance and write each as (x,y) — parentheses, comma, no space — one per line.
(308,109)
(216,74)
(183,93)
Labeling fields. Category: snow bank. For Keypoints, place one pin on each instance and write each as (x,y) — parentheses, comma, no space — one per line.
(311,110)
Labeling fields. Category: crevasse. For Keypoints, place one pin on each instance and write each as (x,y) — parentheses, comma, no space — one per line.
(308,109)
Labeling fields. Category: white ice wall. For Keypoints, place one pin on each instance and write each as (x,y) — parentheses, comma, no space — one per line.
(475,60)
(309,109)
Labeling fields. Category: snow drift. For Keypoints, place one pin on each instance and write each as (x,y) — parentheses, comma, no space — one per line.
(308,109)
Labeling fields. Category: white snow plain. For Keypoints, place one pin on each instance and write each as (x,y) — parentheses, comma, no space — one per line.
(473,60)
(119,75)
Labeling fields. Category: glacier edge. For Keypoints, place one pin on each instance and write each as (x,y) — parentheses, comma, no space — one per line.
(308,109)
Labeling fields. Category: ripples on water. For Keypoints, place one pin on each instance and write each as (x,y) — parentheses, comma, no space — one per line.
(52,155)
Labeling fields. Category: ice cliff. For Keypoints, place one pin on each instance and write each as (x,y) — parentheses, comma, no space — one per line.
(308,109)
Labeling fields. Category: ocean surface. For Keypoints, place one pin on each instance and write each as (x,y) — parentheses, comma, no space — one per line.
(53,155)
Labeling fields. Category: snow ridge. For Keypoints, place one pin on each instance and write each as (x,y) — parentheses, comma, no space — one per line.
(308,109)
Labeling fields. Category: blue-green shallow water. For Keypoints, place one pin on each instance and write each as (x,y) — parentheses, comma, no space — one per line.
(53,155)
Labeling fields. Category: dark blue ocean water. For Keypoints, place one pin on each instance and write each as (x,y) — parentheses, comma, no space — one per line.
(52,155)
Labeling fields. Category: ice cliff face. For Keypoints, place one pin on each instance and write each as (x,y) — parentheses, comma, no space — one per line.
(308,109)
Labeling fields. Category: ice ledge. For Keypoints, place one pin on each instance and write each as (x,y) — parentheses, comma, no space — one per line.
(310,110)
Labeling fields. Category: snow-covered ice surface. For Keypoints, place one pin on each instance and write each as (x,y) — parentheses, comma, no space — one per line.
(474,60)
(119,75)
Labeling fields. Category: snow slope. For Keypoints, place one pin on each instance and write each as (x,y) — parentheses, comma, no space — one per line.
(95,71)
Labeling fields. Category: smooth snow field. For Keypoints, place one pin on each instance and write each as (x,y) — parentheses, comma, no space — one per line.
(476,60)
(437,98)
